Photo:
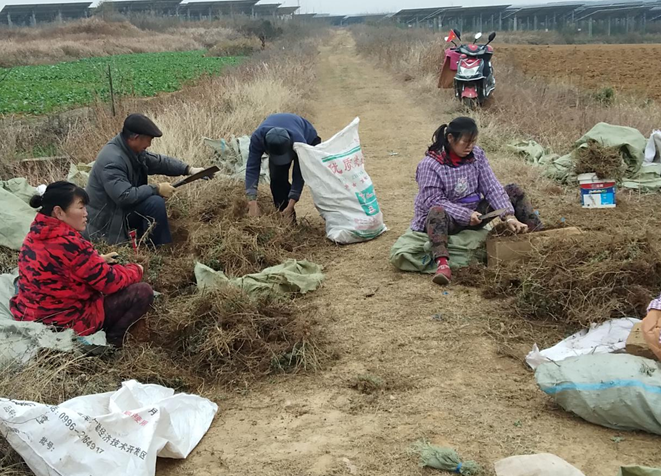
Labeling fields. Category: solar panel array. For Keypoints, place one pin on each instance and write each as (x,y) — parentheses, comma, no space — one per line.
(626,14)
(48,12)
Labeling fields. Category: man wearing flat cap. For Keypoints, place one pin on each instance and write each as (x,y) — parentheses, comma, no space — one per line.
(120,198)
(276,137)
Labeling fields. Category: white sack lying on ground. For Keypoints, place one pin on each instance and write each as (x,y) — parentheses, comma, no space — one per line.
(340,187)
(605,338)
(653,148)
(544,464)
(107,434)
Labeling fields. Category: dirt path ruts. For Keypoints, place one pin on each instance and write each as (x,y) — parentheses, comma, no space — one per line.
(443,379)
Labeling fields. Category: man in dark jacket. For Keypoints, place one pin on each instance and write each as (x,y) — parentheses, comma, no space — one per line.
(276,137)
(120,198)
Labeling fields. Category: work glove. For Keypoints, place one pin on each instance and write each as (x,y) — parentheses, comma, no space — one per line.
(111,258)
(194,170)
(165,189)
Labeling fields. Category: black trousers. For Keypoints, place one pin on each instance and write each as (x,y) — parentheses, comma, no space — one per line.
(151,210)
(280,186)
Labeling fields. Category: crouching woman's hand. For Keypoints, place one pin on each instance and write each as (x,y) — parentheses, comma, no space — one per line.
(515,225)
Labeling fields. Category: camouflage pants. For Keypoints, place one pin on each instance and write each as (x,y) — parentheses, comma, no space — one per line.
(440,225)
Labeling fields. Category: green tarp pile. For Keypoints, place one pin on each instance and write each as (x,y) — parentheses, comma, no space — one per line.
(16,214)
(629,140)
(79,174)
(290,277)
(639,471)
(412,251)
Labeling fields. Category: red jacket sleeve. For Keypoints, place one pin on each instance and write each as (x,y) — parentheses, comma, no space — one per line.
(90,267)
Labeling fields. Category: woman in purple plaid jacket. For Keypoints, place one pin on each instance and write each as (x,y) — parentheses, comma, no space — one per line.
(457,186)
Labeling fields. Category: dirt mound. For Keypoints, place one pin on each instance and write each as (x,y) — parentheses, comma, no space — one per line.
(580,280)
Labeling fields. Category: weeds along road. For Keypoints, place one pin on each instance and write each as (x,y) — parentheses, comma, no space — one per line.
(442,379)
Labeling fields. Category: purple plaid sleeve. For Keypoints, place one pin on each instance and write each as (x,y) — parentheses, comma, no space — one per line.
(490,187)
(655,305)
(431,186)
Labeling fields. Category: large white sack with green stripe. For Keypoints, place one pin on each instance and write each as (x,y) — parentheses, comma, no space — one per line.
(341,189)
(617,391)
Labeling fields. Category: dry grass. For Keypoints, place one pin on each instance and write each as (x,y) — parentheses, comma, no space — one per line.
(223,237)
(578,281)
(236,47)
(89,38)
(8,260)
(225,335)
(606,162)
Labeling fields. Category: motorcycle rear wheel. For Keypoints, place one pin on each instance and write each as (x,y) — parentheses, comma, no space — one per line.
(470,103)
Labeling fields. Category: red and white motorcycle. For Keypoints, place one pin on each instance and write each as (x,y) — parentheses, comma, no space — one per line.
(474,79)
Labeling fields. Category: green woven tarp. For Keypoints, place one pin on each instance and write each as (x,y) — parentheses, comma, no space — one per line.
(290,277)
(16,217)
(412,251)
(639,471)
(79,174)
(19,187)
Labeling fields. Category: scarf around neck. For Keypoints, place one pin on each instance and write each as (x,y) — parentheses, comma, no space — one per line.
(450,158)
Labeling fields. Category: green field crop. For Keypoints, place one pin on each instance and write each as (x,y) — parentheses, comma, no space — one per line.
(47,88)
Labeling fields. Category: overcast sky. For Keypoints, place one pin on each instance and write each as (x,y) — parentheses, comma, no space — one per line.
(346,6)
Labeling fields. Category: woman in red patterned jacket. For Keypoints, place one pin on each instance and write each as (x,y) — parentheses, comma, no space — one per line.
(64,282)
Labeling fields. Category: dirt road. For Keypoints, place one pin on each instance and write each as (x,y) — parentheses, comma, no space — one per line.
(442,378)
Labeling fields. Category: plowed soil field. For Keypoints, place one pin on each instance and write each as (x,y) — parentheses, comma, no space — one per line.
(633,69)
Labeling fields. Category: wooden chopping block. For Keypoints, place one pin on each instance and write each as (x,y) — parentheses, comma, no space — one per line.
(507,249)
(636,344)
